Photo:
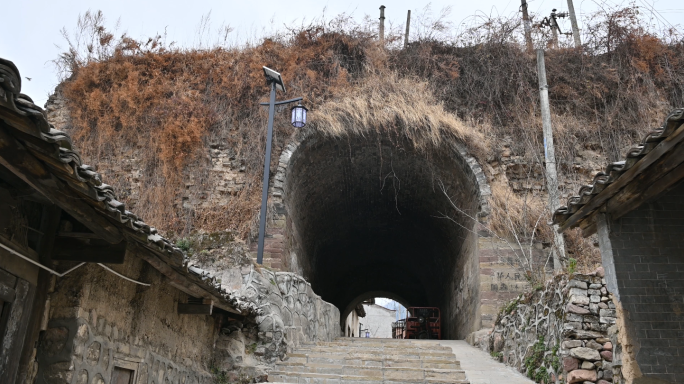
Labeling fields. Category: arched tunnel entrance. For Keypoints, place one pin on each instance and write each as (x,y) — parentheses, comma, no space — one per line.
(365,215)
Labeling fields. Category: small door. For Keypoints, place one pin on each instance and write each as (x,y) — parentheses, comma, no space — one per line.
(122,376)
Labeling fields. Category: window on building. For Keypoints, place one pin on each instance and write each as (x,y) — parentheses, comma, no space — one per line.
(122,376)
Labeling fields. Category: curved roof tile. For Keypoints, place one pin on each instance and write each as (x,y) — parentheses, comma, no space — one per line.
(616,169)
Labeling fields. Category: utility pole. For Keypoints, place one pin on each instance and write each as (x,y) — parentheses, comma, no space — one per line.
(573,22)
(408,24)
(526,25)
(382,23)
(552,23)
(558,249)
(554,29)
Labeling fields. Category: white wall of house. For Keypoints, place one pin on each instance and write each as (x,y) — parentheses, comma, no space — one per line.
(378,321)
(351,325)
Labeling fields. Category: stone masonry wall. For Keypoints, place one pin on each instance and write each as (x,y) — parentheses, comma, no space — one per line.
(564,332)
(287,313)
(98,321)
(648,251)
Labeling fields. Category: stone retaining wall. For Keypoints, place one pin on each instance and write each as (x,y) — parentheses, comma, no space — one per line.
(564,332)
(286,311)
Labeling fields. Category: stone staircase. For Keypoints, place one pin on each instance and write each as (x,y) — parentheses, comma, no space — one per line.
(370,361)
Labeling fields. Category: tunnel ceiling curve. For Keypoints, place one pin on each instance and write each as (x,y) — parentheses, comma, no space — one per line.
(365,215)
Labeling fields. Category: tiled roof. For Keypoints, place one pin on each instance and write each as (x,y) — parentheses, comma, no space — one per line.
(574,209)
(28,124)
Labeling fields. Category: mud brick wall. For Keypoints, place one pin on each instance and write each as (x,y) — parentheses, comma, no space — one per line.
(648,251)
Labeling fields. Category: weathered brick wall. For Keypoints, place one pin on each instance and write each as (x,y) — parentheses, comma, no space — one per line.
(648,251)
(463,294)
(501,278)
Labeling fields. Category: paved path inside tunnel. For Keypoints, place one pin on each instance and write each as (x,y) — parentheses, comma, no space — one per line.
(480,368)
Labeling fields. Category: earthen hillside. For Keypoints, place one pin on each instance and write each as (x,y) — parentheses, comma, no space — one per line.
(181,135)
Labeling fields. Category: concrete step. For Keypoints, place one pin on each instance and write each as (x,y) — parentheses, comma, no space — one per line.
(394,376)
(372,371)
(391,351)
(409,354)
(397,346)
(370,361)
(366,355)
(366,341)
(364,360)
(382,363)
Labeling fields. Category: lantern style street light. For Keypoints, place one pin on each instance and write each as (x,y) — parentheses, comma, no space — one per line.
(299,116)
(275,81)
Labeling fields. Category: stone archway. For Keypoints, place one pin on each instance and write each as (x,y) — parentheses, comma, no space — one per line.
(360,214)
(370,295)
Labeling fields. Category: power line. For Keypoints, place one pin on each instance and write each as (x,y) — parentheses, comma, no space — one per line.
(656,12)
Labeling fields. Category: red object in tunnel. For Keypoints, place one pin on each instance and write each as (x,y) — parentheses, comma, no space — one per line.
(420,323)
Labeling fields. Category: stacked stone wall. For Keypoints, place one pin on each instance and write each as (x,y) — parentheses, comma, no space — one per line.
(564,332)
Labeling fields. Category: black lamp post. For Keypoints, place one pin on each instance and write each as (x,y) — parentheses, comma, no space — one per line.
(275,81)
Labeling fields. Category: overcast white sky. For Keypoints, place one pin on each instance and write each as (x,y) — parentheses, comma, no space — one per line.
(31,28)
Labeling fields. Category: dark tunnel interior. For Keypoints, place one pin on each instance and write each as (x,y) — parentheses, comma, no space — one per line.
(365,216)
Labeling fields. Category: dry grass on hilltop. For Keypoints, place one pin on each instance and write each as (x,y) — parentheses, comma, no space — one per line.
(480,87)
(392,105)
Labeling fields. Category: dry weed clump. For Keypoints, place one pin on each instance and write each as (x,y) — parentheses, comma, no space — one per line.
(522,216)
(394,106)
(169,106)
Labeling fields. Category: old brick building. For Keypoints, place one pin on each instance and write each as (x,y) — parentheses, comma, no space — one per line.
(637,209)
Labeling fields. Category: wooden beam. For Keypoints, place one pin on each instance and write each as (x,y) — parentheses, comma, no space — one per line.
(49,225)
(15,157)
(626,201)
(78,235)
(9,180)
(89,250)
(661,176)
(7,293)
(195,309)
(22,123)
(643,164)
